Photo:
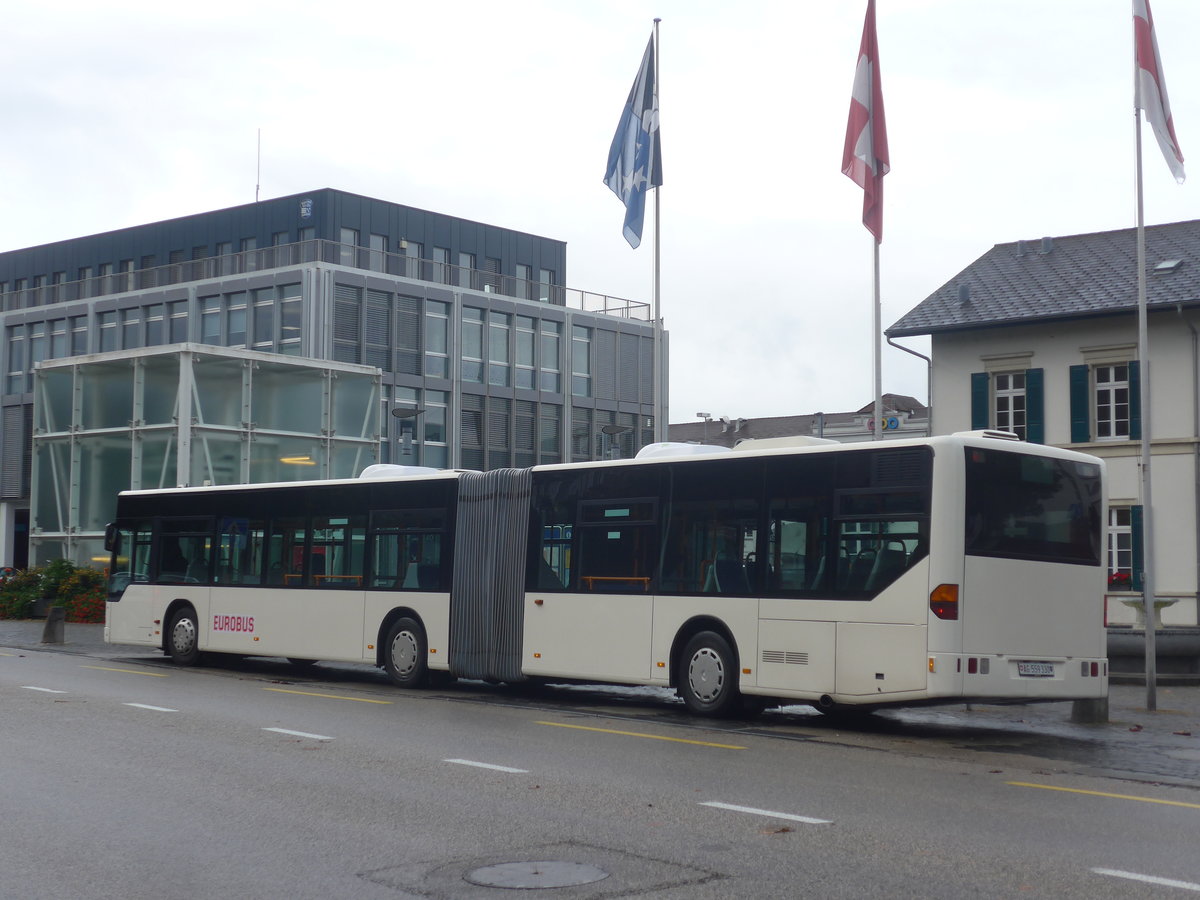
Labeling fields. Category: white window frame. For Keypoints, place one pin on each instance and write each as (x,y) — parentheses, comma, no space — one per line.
(1105,402)
(1010,404)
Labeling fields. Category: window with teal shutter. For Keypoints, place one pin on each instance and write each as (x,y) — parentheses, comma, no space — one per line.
(980,406)
(1081,404)
(1035,419)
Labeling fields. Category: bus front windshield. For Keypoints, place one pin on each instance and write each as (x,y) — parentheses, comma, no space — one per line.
(1032,507)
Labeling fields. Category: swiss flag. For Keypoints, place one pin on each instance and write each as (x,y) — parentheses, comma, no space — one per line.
(1150,91)
(865,158)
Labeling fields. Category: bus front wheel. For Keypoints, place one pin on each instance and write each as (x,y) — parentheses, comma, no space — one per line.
(404,659)
(708,680)
(183,637)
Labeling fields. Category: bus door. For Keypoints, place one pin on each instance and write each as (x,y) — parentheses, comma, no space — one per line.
(600,625)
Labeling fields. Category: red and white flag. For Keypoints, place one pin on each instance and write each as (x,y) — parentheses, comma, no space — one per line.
(1150,91)
(865,158)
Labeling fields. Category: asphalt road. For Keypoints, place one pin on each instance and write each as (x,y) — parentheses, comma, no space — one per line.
(126,777)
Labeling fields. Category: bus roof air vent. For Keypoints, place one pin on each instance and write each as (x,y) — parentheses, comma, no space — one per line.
(388,470)
(677,448)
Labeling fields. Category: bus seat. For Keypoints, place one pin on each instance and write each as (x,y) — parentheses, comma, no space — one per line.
(889,563)
(726,576)
(860,570)
(411,578)
(198,570)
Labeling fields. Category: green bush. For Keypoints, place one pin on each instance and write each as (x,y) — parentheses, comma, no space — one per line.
(80,590)
(18,593)
(54,573)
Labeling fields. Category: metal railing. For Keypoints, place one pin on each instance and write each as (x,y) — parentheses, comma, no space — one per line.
(333,253)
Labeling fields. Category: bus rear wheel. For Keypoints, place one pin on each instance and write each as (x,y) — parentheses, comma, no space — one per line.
(404,654)
(183,637)
(708,679)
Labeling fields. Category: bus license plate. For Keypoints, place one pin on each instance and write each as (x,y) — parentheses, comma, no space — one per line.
(1035,669)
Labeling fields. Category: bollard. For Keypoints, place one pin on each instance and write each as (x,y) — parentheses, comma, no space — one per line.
(52,632)
(1090,712)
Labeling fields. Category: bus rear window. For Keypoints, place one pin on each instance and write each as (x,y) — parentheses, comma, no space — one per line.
(1032,507)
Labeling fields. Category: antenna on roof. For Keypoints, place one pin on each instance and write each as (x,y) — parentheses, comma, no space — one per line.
(258,167)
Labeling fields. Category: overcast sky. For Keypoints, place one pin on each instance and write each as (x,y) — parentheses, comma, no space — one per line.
(1007,119)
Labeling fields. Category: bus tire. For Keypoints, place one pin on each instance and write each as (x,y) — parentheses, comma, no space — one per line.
(404,654)
(708,678)
(183,637)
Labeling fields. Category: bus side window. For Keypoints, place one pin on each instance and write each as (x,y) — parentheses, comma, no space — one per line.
(337,552)
(285,551)
(407,550)
(617,546)
(553,571)
(241,551)
(184,547)
(131,558)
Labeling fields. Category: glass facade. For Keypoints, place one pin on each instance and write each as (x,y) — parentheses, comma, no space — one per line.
(160,418)
(474,330)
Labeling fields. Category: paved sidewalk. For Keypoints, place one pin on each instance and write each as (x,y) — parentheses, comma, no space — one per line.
(27,634)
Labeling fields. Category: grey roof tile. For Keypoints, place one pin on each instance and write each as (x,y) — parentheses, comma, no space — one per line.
(1062,278)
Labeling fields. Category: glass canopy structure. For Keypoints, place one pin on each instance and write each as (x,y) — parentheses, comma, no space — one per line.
(183,415)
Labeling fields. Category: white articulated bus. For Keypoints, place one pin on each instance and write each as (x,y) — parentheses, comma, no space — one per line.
(946,569)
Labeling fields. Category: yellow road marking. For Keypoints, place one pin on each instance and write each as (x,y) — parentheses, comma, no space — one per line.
(2,653)
(1049,787)
(329,696)
(128,671)
(652,737)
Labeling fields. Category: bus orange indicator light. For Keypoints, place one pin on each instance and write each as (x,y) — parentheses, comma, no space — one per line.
(370,646)
(256,637)
(537,656)
(661,665)
(943,601)
(745,671)
(433,650)
(932,667)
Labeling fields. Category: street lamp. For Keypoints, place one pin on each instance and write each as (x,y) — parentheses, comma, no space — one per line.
(707,417)
(613,450)
(408,419)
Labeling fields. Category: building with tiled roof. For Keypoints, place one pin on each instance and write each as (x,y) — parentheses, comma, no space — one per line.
(1040,337)
(903,416)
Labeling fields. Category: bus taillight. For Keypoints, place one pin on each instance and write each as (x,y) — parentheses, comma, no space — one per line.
(943,601)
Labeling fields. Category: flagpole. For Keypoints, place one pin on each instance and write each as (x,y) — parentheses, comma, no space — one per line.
(661,403)
(1150,651)
(877,367)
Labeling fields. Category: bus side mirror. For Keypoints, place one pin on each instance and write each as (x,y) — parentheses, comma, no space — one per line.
(112,537)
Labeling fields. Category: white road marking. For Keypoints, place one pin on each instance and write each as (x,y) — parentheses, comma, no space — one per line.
(766,812)
(30,687)
(303,734)
(151,708)
(1150,879)
(480,765)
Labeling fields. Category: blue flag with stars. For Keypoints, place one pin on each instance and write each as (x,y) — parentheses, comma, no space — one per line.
(635,159)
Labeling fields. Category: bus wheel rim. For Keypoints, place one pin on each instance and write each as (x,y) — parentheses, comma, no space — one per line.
(404,652)
(183,636)
(706,674)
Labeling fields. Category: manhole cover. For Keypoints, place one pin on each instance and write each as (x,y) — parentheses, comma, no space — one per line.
(528,875)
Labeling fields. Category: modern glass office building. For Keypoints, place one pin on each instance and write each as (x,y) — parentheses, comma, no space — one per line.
(469,329)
